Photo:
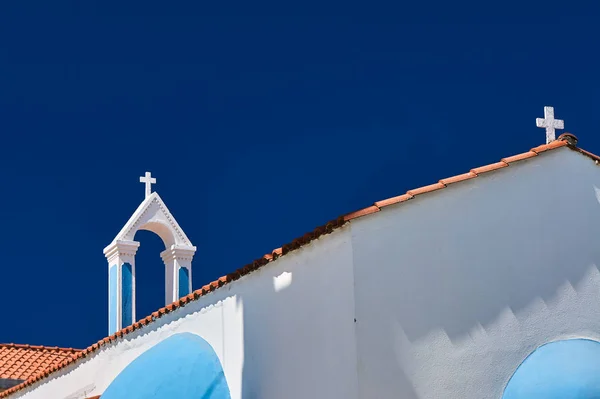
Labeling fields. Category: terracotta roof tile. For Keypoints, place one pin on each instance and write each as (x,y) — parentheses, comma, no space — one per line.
(362,212)
(393,200)
(565,140)
(425,189)
(520,157)
(489,168)
(553,145)
(458,178)
(20,362)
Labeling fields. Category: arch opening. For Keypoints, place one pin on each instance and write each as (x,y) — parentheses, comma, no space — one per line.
(149,274)
(161,230)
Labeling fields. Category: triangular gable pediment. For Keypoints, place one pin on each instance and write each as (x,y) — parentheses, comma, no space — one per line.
(153,215)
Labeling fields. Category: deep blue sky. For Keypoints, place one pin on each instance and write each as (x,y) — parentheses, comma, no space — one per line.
(259,124)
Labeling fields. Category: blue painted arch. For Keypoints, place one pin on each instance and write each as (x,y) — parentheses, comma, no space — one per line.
(568,369)
(183,366)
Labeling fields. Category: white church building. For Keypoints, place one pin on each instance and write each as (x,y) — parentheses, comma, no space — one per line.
(483,285)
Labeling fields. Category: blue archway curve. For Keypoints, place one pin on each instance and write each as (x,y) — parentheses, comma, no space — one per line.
(183,366)
(568,369)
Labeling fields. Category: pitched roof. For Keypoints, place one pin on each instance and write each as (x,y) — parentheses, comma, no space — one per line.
(565,140)
(20,362)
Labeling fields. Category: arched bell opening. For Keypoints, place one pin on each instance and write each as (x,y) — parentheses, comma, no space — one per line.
(150,273)
(162,230)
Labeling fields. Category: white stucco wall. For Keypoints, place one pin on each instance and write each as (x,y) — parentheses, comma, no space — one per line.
(450,291)
(284,331)
(455,289)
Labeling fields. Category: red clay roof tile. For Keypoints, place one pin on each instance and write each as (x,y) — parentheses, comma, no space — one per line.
(565,140)
(545,147)
(520,157)
(489,168)
(277,251)
(393,200)
(361,212)
(425,189)
(458,178)
(21,362)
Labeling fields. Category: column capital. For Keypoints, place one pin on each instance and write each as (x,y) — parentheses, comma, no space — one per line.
(121,248)
(178,252)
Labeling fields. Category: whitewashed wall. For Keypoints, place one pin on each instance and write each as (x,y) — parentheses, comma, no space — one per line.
(284,331)
(454,289)
(451,291)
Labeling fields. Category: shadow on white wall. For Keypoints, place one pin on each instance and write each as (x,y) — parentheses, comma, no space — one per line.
(444,282)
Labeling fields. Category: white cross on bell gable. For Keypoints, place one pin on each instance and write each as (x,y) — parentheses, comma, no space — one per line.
(149,181)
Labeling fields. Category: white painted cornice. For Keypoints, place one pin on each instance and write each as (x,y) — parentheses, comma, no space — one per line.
(178,252)
(121,248)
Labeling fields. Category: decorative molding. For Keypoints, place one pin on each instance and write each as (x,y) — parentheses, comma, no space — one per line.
(120,248)
(178,252)
(140,218)
(172,221)
(155,199)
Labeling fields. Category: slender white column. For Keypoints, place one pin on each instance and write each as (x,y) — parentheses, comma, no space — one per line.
(121,283)
(177,257)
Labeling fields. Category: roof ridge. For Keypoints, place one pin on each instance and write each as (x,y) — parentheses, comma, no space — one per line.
(38,347)
(475,172)
(564,140)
